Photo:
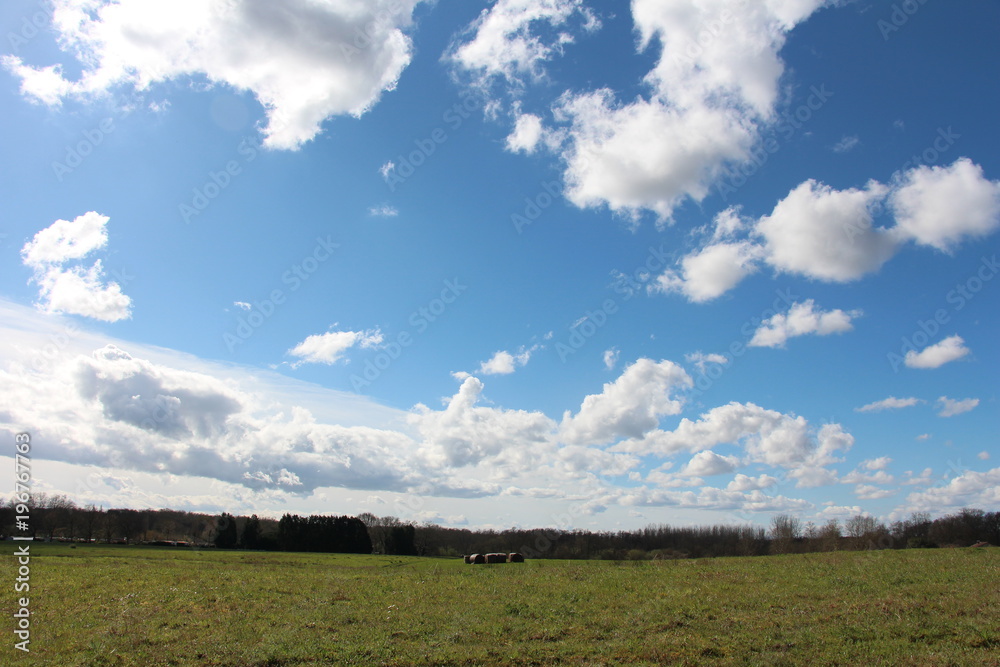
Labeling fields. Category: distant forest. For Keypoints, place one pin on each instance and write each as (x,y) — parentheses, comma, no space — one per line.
(56,517)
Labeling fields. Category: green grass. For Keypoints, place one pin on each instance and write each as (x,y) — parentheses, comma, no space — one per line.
(97,605)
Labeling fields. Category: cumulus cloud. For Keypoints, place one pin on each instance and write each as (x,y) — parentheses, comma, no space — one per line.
(869,492)
(937,355)
(802,319)
(865,475)
(891,403)
(630,406)
(112,409)
(713,85)
(970,489)
(513,39)
(304,61)
(701,360)
(465,433)
(827,234)
(950,407)
(881,463)
(707,463)
(830,235)
(611,358)
(505,363)
(743,483)
(528,131)
(766,436)
(941,206)
(329,348)
(710,272)
(76,289)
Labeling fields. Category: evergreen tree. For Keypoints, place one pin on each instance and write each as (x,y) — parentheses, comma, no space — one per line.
(225,531)
(250,539)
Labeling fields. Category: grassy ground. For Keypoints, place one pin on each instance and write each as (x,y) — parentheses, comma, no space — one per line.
(97,605)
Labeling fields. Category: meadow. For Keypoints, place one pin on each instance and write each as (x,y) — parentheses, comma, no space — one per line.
(116,605)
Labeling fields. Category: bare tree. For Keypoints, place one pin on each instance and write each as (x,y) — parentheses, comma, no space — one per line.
(785,529)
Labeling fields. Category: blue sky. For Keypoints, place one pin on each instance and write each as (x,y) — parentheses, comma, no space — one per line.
(558,262)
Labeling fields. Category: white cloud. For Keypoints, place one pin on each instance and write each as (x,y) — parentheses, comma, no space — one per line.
(867,476)
(79,289)
(923,479)
(728,223)
(846,144)
(528,131)
(630,406)
(970,489)
(329,348)
(950,407)
(611,358)
(710,272)
(826,234)
(941,206)
(648,154)
(383,211)
(505,363)
(714,84)
(743,483)
(767,436)
(304,61)
(830,235)
(881,463)
(707,463)
(924,436)
(983,456)
(465,434)
(869,492)
(891,403)
(514,38)
(937,355)
(63,240)
(386,169)
(802,319)
(242,305)
(701,360)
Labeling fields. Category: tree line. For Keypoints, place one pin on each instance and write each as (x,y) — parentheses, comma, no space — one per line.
(56,517)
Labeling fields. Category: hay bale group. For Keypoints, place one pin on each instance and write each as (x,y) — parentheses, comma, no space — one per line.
(480,559)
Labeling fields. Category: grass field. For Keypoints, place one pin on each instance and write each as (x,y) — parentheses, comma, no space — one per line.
(97,605)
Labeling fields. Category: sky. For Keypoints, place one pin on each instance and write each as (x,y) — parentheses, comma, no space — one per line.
(569,263)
